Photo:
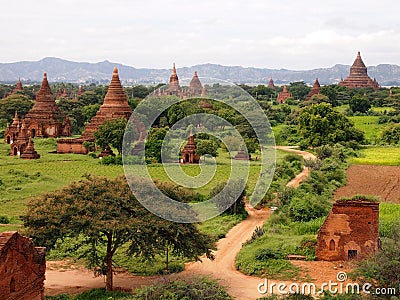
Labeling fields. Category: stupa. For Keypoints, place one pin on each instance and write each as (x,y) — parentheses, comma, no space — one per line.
(271,84)
(314,90)
(358,77)
(18,87)
(29,152)
(195,86)
(284,95)
(19,144)
(115,105)
(12,130)
(45,118)
(189,155)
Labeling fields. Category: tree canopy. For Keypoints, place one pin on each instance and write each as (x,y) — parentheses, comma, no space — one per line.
(111,133)
(320,124)
(104,215)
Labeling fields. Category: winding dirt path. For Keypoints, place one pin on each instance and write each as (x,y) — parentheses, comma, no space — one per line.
(240,286)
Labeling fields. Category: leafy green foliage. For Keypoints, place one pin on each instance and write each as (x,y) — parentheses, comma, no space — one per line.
(8,106)
(107,215)
(391,135)
(111,133)
(320,124)
(359,103)
(192,288)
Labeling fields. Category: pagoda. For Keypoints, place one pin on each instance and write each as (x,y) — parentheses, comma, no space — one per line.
(20,142)
(18,87)
(358,77)
(12,130)
(115,105)
(271,84)
(189,155)
(174,88)
(195,86)
(45,118)
(29,152)
(284,95)
(314,90)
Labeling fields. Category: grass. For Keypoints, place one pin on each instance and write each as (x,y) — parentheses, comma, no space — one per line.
(369,125)
(383,156)
(22,179)
(389,214)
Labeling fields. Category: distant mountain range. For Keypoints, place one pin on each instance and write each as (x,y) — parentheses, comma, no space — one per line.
(60,70)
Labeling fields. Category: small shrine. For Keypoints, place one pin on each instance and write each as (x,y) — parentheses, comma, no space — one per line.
(314,90)
(284,95)
(29,152)
(350,231)
(189,155)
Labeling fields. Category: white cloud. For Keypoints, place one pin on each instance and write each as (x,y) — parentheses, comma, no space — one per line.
(153,33)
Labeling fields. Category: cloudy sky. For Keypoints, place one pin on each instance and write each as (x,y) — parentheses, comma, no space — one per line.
(288,34)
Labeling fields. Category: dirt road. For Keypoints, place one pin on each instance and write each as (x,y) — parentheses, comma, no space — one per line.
(240,286)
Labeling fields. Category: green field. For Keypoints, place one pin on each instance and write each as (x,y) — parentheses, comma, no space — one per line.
(22,179)
(369,125)
(384,156)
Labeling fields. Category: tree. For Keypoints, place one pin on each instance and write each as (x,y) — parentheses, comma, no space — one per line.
(331,92)
(204,147)
(103,215)
(359,103)
(111,133)
(154,141)
(299,90)
(17,102)
(89,111)
(391,135)
(320,124)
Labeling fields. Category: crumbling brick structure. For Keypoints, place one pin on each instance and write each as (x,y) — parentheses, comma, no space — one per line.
(350,231)
(22,268)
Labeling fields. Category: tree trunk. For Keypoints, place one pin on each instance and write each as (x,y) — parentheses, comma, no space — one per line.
(166,260)
(109,270)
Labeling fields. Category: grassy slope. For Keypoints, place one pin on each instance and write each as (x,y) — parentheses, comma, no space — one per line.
(369,125)
(384,156)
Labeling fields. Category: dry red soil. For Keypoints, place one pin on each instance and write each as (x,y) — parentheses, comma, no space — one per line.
(380,181)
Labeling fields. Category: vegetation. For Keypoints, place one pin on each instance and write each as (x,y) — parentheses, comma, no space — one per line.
(106,215)
(193,288)
(320,124)
(378,156)
(293,227)
(111,133)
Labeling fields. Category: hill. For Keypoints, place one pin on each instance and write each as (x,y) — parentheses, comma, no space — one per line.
(61,70)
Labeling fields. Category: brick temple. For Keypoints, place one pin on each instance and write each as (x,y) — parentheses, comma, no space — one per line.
(271,84)
(22,268)
(282,96)
(314,90)
(358,77)
(45,118)
(115,105)
(189,155)
(174,88)
(350,231)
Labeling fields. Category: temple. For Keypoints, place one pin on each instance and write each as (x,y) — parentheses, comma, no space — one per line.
(350,231)
(314,90)
(22,268)
(115,105)
(29,152)
(18,87)
(271,84)
(45,118)
(195,87)
(358,77)
(189,155)
(284,95)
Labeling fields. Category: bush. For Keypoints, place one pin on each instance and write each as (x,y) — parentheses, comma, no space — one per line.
(4,220)
(194,288)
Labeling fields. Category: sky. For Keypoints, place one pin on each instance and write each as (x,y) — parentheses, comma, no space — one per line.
(288,34)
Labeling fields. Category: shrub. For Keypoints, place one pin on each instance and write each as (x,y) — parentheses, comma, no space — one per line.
(4,220)
(194,288)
